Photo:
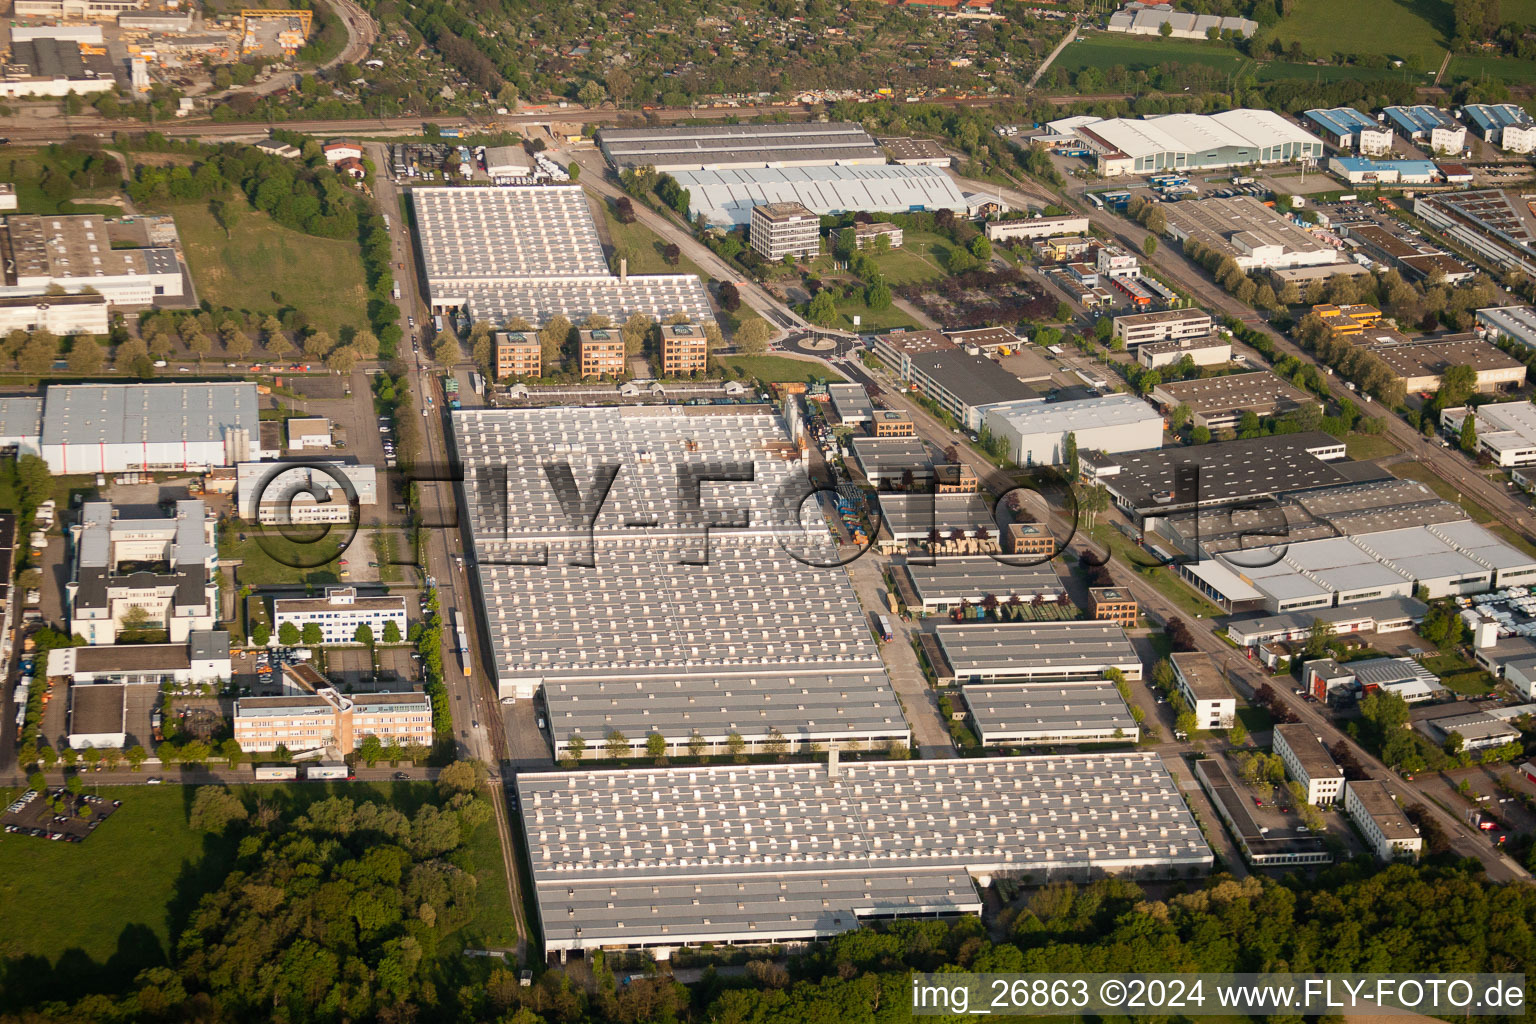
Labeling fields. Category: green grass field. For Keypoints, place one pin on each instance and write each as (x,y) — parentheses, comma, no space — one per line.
(276,559)
(778,369)
(1460,675)
(1369,446)
(117,898)
(646,246)
(1136,53)
(1507,69)
(1395,28)
(263,266)
(869,320)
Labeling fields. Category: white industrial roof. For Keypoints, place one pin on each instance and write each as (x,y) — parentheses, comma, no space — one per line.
(1243,128)
(148,413)
(726,196)
(1033,416)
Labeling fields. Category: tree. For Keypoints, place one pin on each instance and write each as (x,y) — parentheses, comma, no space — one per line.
(553,338)
(634,332)
(737,746)
(288,634)
(1319,636)
(136,756)
(391,632)
(1070,457)
(238,344)
(371,749)
(672,254)
(574,748)
(1200,435)
(656,747)
(461,777)
(1237,735)
(214,809)
(318,345)
(822,310)
(752,336)
(363,634)
(85,356)
(981,248)
(776,744)
(1179,416)
(878,296)
(617,745)
(230,751)
(342,360)
(312,635)
(624,210)
(261,634)
(696,745)
(591,94)
(1468,440)
(1149,246)
(278,344)
(446,351)
(38,354)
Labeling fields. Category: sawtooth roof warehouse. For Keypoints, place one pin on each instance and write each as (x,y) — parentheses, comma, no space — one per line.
(682,637)
(788,853)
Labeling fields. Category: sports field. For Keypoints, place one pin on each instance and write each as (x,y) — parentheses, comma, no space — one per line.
(264,267)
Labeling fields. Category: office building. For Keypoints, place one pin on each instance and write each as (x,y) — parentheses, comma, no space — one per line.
(203,658)
(1034,652)
(58,314)
(1196,142)
(533,252)
(79,251)
(966,385)
(1308,762)
(328,720)
(1506,431)
(339,614)
(1386,829)
(518,355)
(1503,125)
(1261,845)
(1428,126)
(762,854)
(111,428)
(1252,234)
(1204,688)
(1114,604)
(1205,350)
(725,197)
(152,573)
(897,348)
(785,229)
(1219,403)
(684,350)
(1037,432)
(306,432)
(1163,325)
(1113,261)
(867,235)
(1349,319)
(1036,714)
(699,627)
(699,147)
(1361,170)
(1350,130)
(1030,228)
(328,490)
(601,353)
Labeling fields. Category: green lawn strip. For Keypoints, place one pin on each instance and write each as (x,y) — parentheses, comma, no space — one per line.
(1162,577)
(262,266)
(1369,446)
(1459,674)
(872,320)
(646,247)
(780,369)
(275,559)
(1426,476)
(1393,28)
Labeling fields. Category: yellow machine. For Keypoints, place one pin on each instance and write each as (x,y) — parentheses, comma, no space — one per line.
(290,41)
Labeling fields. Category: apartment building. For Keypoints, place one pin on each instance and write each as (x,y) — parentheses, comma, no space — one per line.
(789,229)
(684,350)
(326,718)
(1309,763)
(517,355)
(601,353)
(339,613)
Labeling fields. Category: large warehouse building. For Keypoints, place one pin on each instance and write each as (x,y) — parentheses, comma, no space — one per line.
(1196,142)
(695,630)
(762,854)
(725,196)
(109,428)
(1036,431)
(534,252)
(700,147)
(88,251)
(1254,235)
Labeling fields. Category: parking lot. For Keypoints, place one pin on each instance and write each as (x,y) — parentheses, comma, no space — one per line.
(32,814)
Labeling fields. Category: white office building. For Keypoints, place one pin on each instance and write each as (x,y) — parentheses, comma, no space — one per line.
(1309,763)
(339,613)
(1204,688)
(1385,828)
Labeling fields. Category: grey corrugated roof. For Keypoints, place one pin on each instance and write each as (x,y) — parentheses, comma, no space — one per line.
(21,417)
(150,413)
(973,380)
(1003,649)
(1009,712)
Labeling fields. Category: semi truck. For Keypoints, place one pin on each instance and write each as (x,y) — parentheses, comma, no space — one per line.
(327,770)
(276,772)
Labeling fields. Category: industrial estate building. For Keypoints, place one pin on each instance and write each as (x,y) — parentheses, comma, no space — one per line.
(1428,126)
(1505,125)
(1148,19)
(1219,403)
(965,384)
(1036,431)
(784,229)
(110,428)
(1042,652)
(1195,142)
(58,314)
(1204,688)
(697,629)
(21,426)
(1163,325)
(1505,430)
(1206,350)
(328,490)
(919,517)
(789,853)
(1035,714)
(154,572)
(328,720)
(203,658)
(700,147)
(1035,227)
(1370,805)
(1254,235)
(1419,363)
(1496,226)
(725,197)
(1349,129)
(892,461)
(533,252)
(339,614)
(935,586)
(1509,323)
(1309,763)
(1262,846)
(77,251)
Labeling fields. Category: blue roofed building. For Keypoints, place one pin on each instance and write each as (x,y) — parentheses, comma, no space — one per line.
(1427,125)
(1359,170)
(1347,128)
(1504,125)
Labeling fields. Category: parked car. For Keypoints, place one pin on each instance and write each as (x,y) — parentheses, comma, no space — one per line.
(153,780)
(401,776)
